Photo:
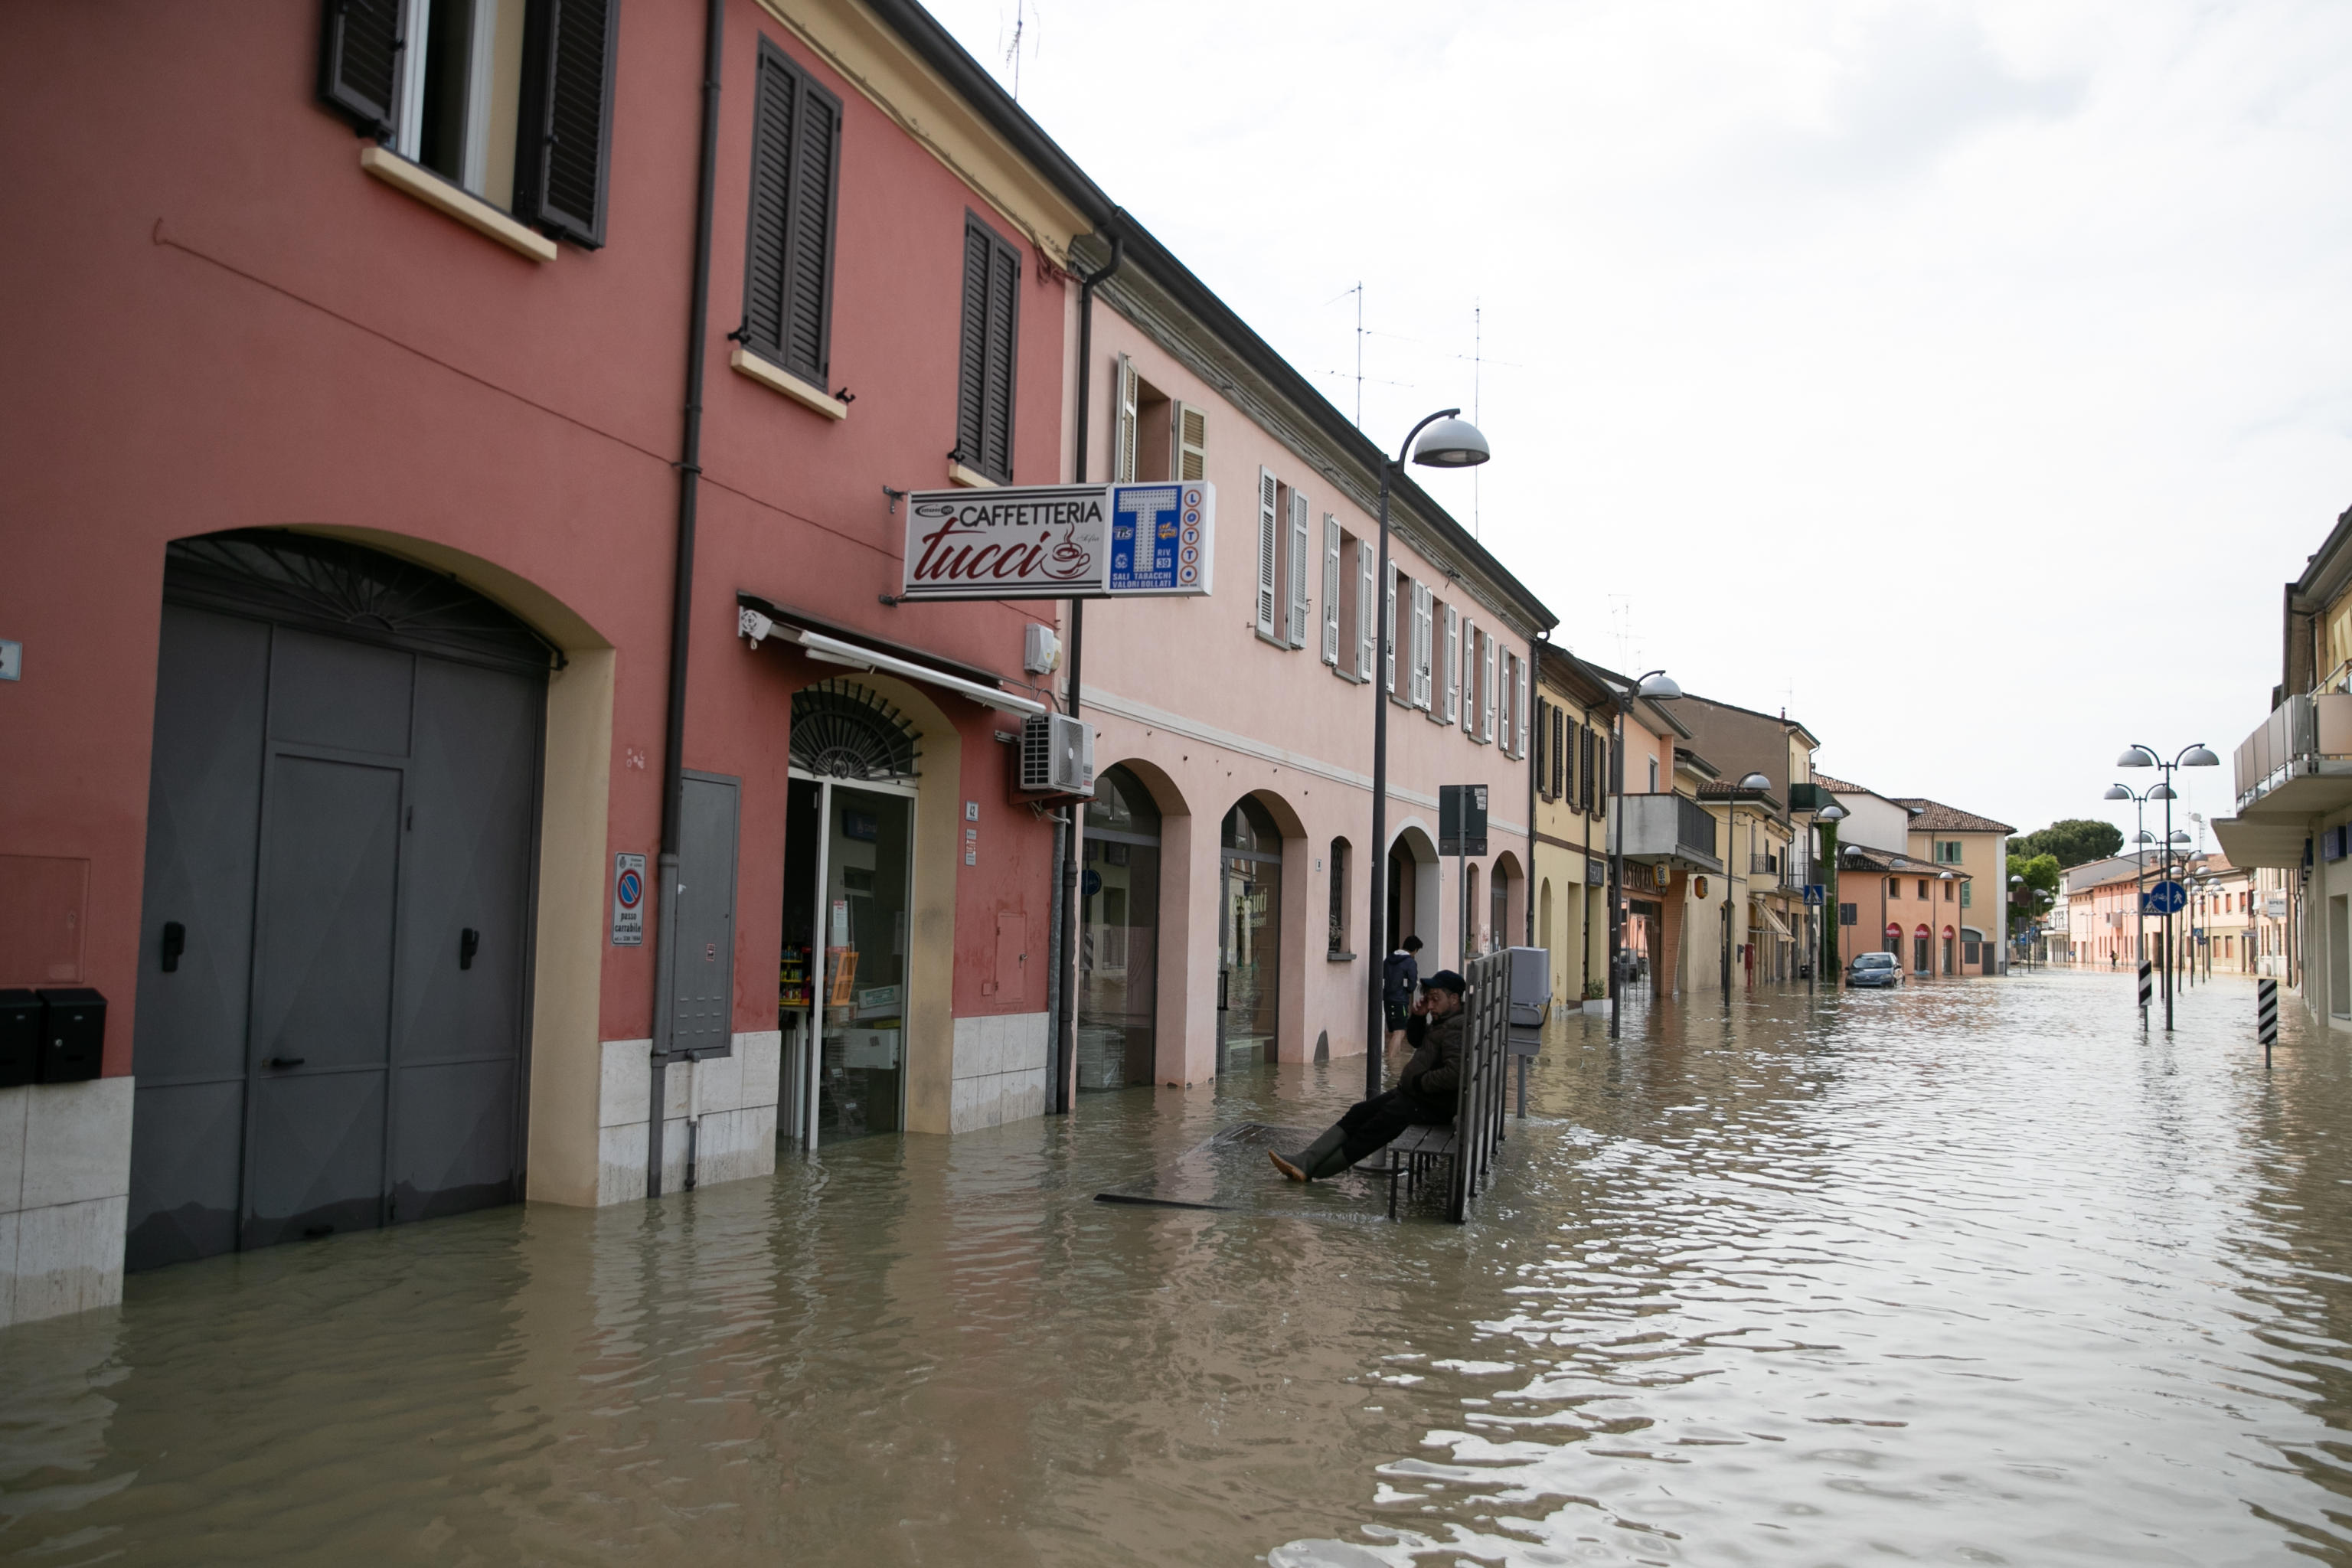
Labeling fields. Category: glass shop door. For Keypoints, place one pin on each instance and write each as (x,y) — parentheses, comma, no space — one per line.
(848,873)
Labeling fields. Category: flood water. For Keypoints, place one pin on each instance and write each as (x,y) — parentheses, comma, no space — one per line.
(1968,1273)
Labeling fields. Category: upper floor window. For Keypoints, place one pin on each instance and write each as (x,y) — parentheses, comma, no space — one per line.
(1894,887)
(1284,605)
(1153,436)
(1948,851)
(985,376)
(788,272)
(1653,775)
(510,101)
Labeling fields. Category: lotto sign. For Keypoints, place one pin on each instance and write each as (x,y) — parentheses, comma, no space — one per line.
(1163,539)
(628,901)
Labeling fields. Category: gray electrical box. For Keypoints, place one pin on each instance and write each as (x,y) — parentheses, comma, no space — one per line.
(1530,999)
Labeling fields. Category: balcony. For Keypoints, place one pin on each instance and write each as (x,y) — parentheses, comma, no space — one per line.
(1672,829)
(1764,865)
(2296,766)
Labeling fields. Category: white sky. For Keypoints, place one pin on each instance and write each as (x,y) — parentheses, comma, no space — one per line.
(1814,327)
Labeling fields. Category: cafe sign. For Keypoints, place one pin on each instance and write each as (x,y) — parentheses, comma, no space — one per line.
(1060,541)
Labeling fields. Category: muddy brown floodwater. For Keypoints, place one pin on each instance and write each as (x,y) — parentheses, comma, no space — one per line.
(1971,1273)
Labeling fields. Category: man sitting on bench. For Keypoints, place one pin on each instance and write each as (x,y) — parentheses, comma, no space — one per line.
(1425,1092)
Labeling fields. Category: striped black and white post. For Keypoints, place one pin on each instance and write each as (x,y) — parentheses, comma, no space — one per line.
(2266,1016)
(2146,989)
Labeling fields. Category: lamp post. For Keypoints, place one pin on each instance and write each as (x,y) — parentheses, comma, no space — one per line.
(2196,756)
(1656,686)
(1827,819)
(1450,443)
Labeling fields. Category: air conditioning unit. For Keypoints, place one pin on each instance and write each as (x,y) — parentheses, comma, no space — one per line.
(1057,755)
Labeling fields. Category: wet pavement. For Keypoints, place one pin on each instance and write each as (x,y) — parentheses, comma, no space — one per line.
(1968,1273)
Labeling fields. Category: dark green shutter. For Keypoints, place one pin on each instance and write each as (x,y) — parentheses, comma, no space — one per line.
(787,273)
(359,61)
(564,142)
(987,374)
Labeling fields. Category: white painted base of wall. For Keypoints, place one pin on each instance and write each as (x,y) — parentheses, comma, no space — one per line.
(1000,1069)
(65,1186)
(736,1135)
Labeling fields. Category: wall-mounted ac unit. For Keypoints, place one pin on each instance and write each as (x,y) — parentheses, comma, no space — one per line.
(1057,755)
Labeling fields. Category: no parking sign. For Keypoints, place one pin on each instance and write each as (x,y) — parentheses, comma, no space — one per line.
(628,901)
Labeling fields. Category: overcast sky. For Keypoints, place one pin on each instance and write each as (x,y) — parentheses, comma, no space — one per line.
(1812,328)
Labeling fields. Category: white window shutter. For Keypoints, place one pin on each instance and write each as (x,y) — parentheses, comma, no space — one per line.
(1420,639)
(1330,590)
(1388,632)
(1486,688)
(1452,664)
(1268,551)
(1520,705)
(1191,446)
(1299,604)
(1364,629)
(1503,701)
(1469,677)
(1122,456)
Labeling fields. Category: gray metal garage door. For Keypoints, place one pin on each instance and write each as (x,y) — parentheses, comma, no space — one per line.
(340,861)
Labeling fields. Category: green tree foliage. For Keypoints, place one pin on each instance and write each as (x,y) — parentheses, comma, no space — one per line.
(2036,893)
(2074,841)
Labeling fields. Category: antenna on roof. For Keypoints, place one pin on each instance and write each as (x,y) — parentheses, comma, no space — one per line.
(1013,55)
(1478,344)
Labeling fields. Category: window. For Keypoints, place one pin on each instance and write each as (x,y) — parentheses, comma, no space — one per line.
(787,274)
(1967,894)
(1269,553)
(1154,437)
(1653,775)
(1923,887)
(510,101)
(1487,688)
(1948,851)
(1389,631)
(1506,679)
(1540,762)
(1295,547)
(1894,887)
(984,380)
(1424,612)
(1334,545)
(1452,656)
(1472,685)
(1340,903)
(1519,705)
(1947,891)
(1367,628)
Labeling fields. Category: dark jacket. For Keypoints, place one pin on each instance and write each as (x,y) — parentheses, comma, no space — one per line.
(1435,1073)
(1399,975)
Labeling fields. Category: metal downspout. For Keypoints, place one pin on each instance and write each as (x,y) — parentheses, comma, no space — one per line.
(690,474)
(1065,1020)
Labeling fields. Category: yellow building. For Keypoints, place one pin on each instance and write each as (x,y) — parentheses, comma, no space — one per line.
(1574,710)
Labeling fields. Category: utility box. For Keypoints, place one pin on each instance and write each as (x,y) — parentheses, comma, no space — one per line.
(73,1034)
(1057,755)
(1530,999)
(20,1038)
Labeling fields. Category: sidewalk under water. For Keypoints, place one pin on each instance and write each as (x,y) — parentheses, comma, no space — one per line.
(1964,1272)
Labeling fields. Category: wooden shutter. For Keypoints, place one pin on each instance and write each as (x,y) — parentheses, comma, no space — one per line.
(1504,703)
(992,322)
(1331,537)
(1388,632)
(1268,535)
(359,62)
(1454,663)
(1299,603)
(1469,677)
(1560,775)
(1365,652)
(563,152)
(1122,456)
(788,271)
(1487,689)
(1421,615)
(1519,708)
(1191,428)
(1543,781)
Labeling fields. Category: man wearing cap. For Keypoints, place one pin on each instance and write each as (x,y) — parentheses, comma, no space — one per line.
(1424,1094)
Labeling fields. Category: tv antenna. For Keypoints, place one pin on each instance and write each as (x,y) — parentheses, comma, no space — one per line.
(1357,291)
(1013,55)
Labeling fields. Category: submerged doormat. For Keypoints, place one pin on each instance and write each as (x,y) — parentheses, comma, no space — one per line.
(1231,1173)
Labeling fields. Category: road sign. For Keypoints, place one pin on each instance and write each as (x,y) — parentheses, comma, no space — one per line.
(2266,1013)
(2147,985)
(1462,819)
(2166,898)
(1816,894)
(628,901)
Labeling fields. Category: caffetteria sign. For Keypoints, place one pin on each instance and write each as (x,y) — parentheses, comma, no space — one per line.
(1061,541)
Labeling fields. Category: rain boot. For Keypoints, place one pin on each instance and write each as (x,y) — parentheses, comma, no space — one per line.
(1306,1166)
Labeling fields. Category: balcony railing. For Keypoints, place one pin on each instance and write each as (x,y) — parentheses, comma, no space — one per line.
(1763,865)
(2302,735)
(1670,827)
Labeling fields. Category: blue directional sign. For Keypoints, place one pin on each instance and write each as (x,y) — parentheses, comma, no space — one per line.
(2166,898)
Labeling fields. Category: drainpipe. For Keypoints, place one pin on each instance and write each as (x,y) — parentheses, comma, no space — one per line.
(1066,1022)
(681,615)
(1535,684)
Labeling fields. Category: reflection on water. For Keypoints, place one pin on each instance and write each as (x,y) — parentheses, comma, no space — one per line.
(1967,1273)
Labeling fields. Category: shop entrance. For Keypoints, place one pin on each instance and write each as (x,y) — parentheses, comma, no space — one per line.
(849,841)
(334,978)
(1249,938)
(1118,933)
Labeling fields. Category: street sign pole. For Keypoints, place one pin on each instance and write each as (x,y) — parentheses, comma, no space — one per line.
(2267,1016)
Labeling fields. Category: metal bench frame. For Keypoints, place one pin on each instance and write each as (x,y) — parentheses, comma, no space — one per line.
(1478,1099)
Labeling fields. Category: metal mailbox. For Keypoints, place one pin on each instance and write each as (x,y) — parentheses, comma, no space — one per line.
(73,1034)
(20,1038)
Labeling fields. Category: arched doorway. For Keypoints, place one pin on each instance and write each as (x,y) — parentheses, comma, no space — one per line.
(849,854)
(334,987)
(1919,960)
(1949,956)
(1249,937)
(1118,933)
(1894,940)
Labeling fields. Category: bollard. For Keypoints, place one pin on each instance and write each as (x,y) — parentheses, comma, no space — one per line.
(2266,1016)
(2146,989)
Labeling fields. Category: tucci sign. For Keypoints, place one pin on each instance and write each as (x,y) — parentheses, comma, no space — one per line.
(1060,541)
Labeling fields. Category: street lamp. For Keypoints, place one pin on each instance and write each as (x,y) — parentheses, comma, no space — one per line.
(1655,686)
(1450,442)
(1827,819)
(2196,756)
(2140,841)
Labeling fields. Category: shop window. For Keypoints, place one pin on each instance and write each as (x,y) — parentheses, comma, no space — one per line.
(1341,900)
(1118,933)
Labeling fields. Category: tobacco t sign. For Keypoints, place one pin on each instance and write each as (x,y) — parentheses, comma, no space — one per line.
(1060,541)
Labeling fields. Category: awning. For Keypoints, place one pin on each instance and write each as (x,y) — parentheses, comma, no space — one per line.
(1772,918)
(756,619)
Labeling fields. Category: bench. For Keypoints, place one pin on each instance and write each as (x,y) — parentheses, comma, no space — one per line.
(1415,1153)
(1467,1144)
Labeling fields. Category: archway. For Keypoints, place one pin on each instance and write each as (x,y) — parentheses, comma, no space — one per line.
(1506,903)
(1414,892)
(333,1021)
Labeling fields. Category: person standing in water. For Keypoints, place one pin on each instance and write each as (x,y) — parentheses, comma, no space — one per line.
(1424,1091)
(1399,975)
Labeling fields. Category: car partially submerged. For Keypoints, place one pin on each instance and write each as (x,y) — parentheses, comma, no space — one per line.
(1875,968)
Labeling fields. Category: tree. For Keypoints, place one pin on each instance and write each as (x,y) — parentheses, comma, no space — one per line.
(2074,842)
(2031,899)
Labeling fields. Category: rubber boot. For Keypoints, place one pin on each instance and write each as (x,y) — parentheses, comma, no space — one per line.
(1307,1165)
